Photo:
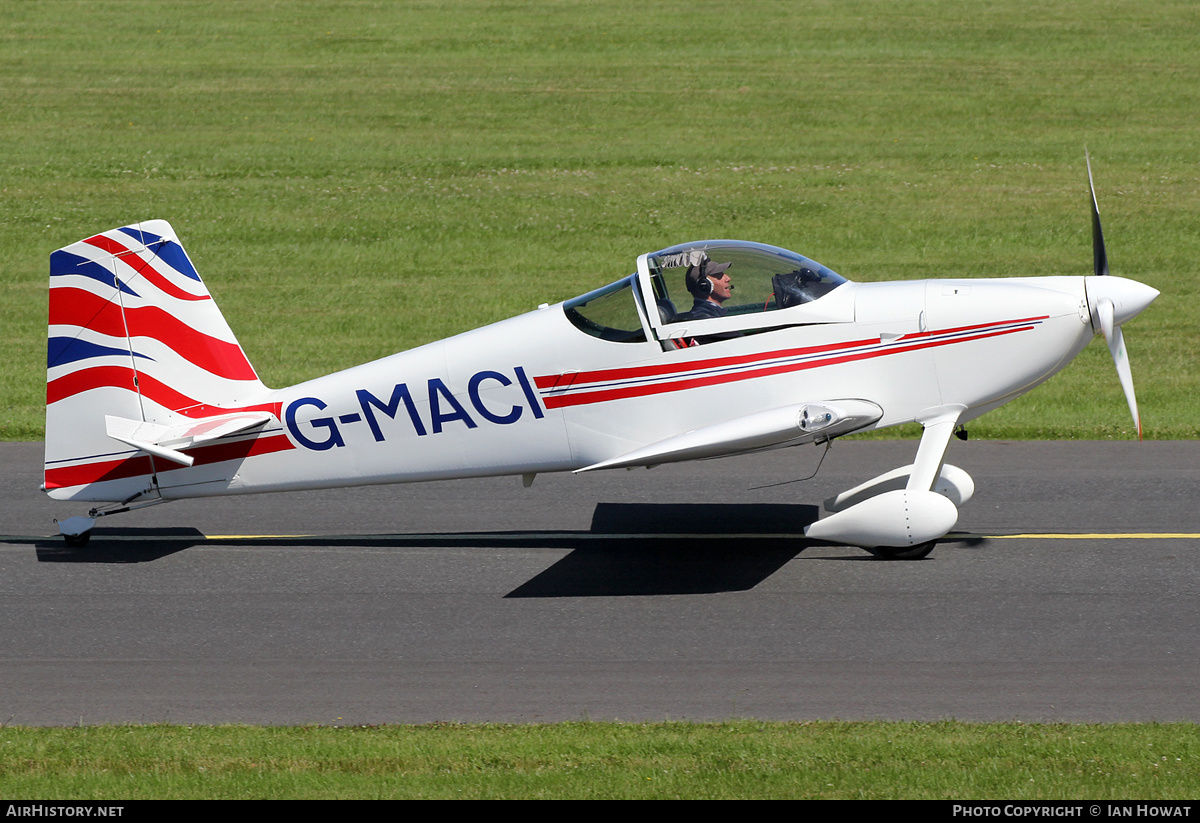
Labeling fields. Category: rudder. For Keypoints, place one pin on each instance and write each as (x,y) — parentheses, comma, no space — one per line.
(135,343)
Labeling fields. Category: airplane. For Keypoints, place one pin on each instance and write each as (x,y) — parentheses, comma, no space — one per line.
(150,398)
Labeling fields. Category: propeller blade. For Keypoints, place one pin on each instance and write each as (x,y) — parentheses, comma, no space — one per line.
(1116,347)
(1099,256)
(1112,301)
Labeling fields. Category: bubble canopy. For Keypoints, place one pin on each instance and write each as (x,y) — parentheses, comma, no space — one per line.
(760,279)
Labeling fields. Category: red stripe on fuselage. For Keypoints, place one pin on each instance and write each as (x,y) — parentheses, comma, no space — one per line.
(584,397)
(68,476)
(604,375)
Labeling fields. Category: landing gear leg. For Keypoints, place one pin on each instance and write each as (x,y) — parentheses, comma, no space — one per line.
(931,451)
(76,531)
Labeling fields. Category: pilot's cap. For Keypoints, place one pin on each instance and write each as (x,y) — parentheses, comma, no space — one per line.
(711,269)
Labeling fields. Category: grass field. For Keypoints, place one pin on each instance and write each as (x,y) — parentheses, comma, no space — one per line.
(356,178)
(741,759)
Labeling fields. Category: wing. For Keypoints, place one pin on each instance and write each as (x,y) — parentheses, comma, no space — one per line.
(787,425)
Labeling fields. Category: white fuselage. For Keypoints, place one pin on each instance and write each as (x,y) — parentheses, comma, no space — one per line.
(534,394)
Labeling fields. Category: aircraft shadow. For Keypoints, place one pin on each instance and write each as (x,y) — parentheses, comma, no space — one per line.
(676,548)
(629,549)
(120,545)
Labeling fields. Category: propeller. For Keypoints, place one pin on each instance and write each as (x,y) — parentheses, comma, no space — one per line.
(1099,256)
(1112,301)
(1116,347)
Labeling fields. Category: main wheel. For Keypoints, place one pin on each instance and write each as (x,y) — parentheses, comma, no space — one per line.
(917,552)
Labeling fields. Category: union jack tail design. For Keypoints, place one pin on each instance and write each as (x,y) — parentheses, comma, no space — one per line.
(141,367)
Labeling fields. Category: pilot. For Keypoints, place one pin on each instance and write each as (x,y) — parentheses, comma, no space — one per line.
(710,286)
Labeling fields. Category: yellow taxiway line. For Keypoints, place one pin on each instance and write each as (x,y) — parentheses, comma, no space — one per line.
(1105,536)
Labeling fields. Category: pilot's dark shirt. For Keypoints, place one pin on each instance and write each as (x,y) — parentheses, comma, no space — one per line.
(704,309)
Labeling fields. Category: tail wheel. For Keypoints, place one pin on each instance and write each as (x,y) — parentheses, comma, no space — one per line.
(77,541)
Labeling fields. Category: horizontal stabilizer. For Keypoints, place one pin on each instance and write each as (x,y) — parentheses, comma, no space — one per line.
(791,425)
(167,441)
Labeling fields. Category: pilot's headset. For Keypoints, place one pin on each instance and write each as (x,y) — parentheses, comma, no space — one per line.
(696,279)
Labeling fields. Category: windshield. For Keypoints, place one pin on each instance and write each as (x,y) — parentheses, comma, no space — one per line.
(609,313)
(718,278)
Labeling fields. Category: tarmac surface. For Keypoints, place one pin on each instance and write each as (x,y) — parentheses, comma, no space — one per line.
(1067,592)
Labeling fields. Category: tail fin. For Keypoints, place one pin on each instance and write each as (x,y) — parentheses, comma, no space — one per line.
(138,356)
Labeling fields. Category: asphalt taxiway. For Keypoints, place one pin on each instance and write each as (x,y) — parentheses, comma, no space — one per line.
(1067,592)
